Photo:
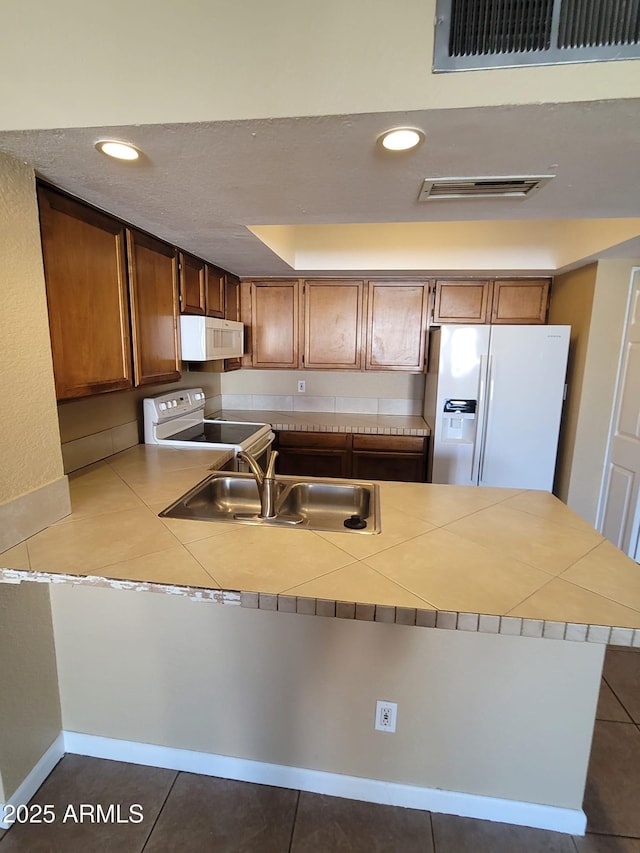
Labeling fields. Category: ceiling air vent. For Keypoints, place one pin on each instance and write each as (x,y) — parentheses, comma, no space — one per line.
(474,34)
(485,187)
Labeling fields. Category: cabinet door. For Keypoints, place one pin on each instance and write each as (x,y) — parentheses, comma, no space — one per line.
(275,324)
(314,454)
(85,273)
(395,457)
(232,312)
(153,286)
(462,302)
(520,301)
(214,291)
(333,314)
(396,326)
(192,284)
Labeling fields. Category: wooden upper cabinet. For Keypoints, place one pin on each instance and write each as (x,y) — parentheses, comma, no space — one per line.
(232,311)
(333,312)
(232,298)
(520,301)
(396,325)
(275,324)
(192,284)
(86,281)
(462,302)
(214,291)
(153,284)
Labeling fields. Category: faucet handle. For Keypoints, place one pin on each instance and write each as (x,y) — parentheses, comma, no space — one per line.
(271,464)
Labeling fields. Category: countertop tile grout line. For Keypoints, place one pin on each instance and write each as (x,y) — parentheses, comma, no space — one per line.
(402,586)
(600,595)
(382,550)
(590,551)
(526,598)
(288,590)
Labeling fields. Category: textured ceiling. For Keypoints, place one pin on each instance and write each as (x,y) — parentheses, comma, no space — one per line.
(200,185)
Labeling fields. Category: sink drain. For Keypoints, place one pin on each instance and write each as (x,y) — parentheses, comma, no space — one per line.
(355,522)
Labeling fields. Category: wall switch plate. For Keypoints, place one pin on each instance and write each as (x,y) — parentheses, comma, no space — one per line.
(386,713)
(302,386)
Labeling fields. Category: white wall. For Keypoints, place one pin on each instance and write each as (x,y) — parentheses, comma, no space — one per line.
(221,60)
(492,715)
(29,702)
(33,491)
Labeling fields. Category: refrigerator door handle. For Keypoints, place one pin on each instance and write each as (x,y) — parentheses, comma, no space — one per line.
(480,422)
(485,414)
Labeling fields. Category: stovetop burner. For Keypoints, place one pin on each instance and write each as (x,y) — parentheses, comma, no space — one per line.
(215,432)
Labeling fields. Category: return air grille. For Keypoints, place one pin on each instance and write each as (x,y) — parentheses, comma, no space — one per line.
(499,26)
(434,189)
(474,34)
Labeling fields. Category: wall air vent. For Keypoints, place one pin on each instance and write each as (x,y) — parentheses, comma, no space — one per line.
(475,34)
(434,189)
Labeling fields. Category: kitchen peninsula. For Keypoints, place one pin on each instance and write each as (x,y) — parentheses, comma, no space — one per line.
(482,612)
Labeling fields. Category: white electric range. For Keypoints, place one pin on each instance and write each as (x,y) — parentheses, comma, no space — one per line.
(177,420)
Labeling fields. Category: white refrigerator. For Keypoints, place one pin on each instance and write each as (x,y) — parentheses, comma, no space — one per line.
(494,398)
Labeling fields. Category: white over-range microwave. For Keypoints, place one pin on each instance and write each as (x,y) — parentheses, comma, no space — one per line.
(208,338)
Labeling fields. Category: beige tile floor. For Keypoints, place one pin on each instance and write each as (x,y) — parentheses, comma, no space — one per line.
(492,551)
(185,812)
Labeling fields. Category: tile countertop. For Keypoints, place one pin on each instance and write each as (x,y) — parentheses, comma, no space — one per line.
(331,422)
(475,559)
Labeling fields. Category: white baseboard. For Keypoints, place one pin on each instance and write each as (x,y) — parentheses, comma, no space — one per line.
(35,778)
(571,821)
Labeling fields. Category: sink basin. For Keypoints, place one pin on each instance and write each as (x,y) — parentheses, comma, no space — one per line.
(308,503)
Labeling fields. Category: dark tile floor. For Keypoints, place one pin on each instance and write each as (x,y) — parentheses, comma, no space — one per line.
(185,812)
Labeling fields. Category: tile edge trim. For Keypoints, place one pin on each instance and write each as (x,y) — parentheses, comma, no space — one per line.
(406,617)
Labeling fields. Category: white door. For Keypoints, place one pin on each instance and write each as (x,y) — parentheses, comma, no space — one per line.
(527,371)
(620,517)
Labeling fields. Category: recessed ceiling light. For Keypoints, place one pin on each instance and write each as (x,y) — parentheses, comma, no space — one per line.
(119,150)
(401,138)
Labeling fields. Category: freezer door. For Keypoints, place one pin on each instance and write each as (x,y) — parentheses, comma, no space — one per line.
(462,357)
(526,376)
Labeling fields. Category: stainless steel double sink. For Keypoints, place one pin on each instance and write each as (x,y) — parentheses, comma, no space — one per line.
(308,503)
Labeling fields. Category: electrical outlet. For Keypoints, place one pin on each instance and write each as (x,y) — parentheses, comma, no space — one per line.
(302,386)
(386,713)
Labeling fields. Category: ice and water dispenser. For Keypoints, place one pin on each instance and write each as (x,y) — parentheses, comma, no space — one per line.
(459,421)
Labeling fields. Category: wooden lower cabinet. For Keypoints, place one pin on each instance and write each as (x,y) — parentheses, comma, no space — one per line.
(314,454)
(389,457)
(361,457)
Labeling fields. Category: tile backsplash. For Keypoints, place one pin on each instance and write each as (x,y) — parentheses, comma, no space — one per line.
(312,403)
(326,391)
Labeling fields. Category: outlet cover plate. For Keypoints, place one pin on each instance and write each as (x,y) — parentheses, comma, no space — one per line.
(386,714)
